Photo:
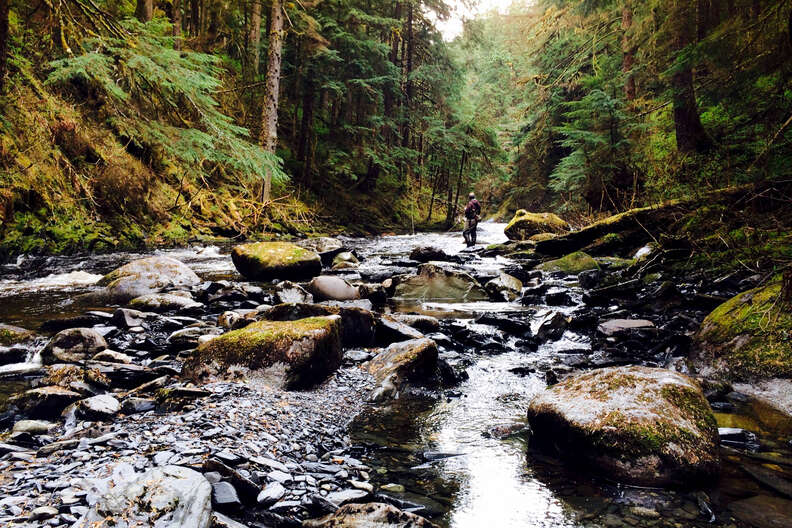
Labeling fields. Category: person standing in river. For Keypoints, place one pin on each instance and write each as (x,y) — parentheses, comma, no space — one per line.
(472,217)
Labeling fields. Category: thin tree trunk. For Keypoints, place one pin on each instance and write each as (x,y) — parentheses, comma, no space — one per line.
(177,23)
(269,114)
(306,128)
(434,190)
(690,133)
(409,85)
(629,54)
(459,179)
(389,95)
(3,44)
(449,199)
(254,39)
(145,10)
(195,17)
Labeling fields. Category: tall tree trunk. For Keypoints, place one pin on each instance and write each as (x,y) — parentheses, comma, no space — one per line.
(629,54)
(306,128)
(176,17)
(434,191)
(389,94)
(269,113)
(195,17)
(459,179)
(690,134)
(145,10)
(449,199)
(408,92)
(3,44)
(254,39)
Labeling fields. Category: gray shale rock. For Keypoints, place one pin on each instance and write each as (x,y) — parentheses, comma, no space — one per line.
(73,345)
(371,515)
(143,277)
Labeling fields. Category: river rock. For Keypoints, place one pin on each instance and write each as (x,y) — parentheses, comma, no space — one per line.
(46,402)
(166,302)
(145,276)
(345,260)
(134,405)
(265,261)
(613,327)
(572,264)
(9,356)
(73,345)
(427,253)
(640,425)
(525,224)
(423,323)
(763,511)
(331,288)
(402,363)
(389,330)
(308,349)
(33,427)
(435,283)
(289,292)
(371,515)
(357,324)
(747,337)
(111,356)
(163,497)
(97,408)
(326,247)
(11,335)
(504,288)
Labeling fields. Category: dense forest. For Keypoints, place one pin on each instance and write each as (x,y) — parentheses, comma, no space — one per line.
(156,122)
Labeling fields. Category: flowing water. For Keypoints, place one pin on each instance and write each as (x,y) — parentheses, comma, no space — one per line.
(462,459)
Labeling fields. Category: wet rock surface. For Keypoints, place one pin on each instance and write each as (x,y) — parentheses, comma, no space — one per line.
(448,448)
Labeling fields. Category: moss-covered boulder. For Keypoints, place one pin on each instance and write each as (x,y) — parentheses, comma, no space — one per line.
(11,335)
(571,264)
(541,237)
(143,277)
(276,260)
(748,337)
(435,283)
(413,361)
(357,324)
(295,354)
(639,425)
(524,225)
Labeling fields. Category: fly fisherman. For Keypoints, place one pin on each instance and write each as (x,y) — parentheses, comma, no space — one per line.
(472,212)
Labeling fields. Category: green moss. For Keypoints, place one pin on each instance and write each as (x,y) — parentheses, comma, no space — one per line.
(263,343)
(752,334)
(572,264)
(692,404)
(615,262)
(11,335)
(525,224)
(276,253)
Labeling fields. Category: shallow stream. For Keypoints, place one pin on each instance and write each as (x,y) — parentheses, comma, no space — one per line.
(463,459)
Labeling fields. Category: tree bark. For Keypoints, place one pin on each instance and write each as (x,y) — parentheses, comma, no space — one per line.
(145,10)
(629,54)
(389,95)
(177,23)
(3,44)
(195,18)
(304,149)
(690,133)
(408,92)
(269,113)
(254,39)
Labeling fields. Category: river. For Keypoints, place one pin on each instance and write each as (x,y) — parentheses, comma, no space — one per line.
(462,456)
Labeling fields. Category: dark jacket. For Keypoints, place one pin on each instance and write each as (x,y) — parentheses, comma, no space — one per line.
(473,209)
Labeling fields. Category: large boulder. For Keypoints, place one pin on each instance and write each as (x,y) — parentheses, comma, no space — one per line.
(357,324)
(524,225)
(296,354)
(435,283)
(504,287)
(46,402)
(73,345)
(265,261)
(413,361)
(163,497)
(102,407)
(747,337)
(370,515)
(145,276)
(11,335)
(428,253)
(640,425)
(332,288)
(571,264)
(326,247)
